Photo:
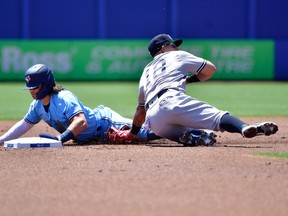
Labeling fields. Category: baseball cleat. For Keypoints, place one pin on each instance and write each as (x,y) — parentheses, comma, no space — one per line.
(249,131)
(198,138)
(264,128)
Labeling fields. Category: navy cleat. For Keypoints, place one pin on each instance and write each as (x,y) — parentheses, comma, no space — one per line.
(264,128)
(198,138)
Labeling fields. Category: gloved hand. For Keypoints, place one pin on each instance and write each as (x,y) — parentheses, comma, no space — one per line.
(48,136)
(120,136)
(65,136)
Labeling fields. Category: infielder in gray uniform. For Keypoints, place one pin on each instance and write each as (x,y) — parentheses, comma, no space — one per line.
(169,111)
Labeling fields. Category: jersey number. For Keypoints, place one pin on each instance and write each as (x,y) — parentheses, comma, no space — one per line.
(159,68)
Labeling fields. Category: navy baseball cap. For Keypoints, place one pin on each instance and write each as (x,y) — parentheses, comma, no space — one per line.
(162,39)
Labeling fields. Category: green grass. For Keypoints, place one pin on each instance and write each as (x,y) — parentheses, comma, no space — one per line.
(245,98)
(242,99)
(274,154)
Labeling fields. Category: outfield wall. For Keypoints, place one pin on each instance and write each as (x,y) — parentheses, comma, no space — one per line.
(93,60)
(121,19)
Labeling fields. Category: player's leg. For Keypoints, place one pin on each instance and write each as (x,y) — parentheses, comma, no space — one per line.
(187,111)
(181,109)
(161,123)
(169,119)
(233,124)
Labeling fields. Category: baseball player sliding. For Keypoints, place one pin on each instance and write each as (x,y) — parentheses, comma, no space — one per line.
(62,110)
(168,111)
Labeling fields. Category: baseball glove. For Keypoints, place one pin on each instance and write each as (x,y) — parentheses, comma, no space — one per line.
(120,136)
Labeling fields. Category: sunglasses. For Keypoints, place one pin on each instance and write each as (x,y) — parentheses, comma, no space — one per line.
(171,44)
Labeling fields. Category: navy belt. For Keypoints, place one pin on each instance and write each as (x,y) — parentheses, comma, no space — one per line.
(159,94)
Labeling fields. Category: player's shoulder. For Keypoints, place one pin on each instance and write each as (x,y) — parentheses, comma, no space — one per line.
(36,103)
(63,94)
(179,54)
(182,52)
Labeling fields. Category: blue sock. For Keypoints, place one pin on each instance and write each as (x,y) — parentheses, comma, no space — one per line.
(231,124)
(152,136)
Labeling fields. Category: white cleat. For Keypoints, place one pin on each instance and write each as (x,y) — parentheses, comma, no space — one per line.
(249,131)
(264,128)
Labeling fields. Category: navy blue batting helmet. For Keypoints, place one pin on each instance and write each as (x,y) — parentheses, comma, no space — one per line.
(161,40)
(40,76)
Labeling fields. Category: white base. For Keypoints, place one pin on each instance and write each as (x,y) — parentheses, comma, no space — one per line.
(33,142)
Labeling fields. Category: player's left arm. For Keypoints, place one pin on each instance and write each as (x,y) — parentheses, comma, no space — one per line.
(75,114)
(204,72)
(78,124)
(207,72)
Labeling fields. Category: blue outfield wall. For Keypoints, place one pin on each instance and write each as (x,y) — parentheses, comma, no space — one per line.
(281,60)
(115,19)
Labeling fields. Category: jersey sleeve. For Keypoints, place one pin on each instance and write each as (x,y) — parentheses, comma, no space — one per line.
(32,116)
(192,63)
(72,106)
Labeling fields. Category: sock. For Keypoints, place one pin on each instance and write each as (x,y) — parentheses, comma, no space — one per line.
(231,124)
(152,136)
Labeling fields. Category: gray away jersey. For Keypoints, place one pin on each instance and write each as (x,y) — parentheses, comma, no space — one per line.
(168,71)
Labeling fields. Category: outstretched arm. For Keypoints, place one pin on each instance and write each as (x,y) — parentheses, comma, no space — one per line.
(16,131)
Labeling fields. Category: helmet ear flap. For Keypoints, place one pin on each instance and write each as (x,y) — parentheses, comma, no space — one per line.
(40,76)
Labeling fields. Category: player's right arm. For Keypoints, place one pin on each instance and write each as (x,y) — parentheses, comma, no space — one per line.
(16,131)
(140,114)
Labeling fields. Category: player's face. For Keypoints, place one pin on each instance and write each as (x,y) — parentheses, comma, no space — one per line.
(34,92)
(170,47)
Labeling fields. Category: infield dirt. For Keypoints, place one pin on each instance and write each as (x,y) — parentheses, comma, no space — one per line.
(159,178)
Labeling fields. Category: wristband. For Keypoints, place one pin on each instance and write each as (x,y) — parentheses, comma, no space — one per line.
(66,135)
(135,129)
(193,78)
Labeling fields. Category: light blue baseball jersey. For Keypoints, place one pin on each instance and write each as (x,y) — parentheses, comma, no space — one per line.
(65,105)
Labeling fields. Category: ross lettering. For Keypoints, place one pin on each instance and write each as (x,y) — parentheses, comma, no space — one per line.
(16,60)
